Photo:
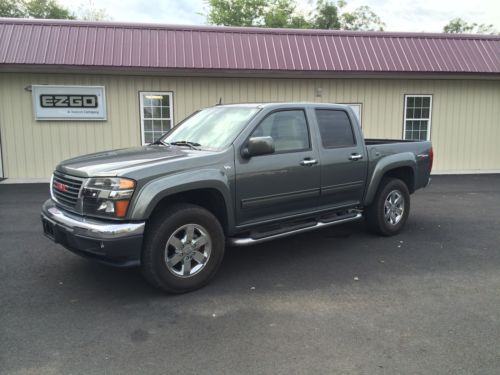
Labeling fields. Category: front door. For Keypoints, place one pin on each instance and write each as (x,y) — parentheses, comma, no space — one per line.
(284,183)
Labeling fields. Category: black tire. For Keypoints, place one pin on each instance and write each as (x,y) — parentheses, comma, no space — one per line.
(164,227)
(375,214)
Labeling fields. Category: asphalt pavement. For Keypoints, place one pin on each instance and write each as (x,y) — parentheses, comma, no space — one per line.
(338,300)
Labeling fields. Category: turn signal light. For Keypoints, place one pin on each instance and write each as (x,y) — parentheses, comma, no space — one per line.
(121,208)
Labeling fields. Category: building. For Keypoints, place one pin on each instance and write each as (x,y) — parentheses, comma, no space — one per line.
(69,88)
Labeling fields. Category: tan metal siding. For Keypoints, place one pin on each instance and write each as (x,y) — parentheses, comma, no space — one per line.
(465,119)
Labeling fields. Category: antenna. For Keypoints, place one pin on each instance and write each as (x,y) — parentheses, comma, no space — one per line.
(220,101)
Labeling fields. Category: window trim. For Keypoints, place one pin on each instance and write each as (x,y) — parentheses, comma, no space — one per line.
(141,110)
(350,123)
(428,138)
(283,110)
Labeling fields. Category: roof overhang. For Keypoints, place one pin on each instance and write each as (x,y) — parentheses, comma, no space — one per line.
(84,70)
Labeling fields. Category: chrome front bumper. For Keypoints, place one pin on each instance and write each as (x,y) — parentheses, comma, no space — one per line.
(89,227)
(113,243)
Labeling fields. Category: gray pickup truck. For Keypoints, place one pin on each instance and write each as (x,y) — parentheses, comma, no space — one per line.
(231,174)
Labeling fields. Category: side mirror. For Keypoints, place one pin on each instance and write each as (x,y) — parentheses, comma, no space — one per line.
(258,146)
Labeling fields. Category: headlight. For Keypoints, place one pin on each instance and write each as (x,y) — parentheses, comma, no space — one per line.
(107,196)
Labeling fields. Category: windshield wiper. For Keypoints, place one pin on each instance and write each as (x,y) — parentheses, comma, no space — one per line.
(192,145)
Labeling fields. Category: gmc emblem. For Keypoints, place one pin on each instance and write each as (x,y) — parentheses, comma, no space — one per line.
(61,187)
(68,101)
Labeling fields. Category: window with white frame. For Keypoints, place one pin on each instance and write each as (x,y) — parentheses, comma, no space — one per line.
(417,118)
(156,115)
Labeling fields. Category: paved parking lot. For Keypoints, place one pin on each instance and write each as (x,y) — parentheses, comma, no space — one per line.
(334,301)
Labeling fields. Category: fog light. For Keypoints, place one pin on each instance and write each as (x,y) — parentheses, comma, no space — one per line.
(107,206)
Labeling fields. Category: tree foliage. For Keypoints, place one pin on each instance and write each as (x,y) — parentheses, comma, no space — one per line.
(235,12)
(279,13)
(460,26)
(10,8)
(362,18)
(89,12)
(327,14)
(34,9)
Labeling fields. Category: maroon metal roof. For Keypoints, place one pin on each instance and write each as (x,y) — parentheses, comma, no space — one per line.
(209,49)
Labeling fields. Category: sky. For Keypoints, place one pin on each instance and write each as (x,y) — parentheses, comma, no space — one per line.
(398,15)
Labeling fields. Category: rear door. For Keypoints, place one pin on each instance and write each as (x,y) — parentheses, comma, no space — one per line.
(285,182)
(343,156)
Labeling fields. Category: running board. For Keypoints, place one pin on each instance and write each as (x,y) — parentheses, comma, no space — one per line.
(244,241)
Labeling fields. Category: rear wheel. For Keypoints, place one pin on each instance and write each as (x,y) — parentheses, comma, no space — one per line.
(390,208)
(183,248)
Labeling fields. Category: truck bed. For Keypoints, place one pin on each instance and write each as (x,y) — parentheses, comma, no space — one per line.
(380,149)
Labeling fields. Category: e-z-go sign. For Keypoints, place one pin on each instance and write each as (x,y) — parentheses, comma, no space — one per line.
(69,102)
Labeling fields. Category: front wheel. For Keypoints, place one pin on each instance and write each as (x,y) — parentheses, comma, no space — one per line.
(390,208)
(183,248)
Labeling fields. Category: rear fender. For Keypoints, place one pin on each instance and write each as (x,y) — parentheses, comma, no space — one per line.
(384,165)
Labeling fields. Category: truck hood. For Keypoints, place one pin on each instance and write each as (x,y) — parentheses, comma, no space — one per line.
(122,162)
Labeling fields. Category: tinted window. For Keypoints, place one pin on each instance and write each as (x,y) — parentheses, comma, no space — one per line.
(287,128)
(335,128)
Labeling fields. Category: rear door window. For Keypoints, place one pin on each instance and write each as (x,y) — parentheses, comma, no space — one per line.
(335,128)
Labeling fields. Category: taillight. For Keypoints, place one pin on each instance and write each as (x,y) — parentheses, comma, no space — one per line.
(431,158)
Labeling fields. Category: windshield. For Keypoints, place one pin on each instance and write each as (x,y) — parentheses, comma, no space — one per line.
(211,128)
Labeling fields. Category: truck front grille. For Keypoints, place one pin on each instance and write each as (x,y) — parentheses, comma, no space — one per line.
(65,188)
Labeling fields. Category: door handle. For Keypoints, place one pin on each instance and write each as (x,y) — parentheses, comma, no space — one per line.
(308,162)
(355,157)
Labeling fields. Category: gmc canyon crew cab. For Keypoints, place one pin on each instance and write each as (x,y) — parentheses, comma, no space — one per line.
(231,174)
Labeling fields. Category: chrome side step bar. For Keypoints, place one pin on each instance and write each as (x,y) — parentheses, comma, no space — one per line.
(245,241)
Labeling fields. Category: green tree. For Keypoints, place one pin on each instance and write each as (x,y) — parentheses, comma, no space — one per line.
(89,12)
(266,13)
(361,18)
(279,14)
(283,13)
(327,15)
(235,12)
(300,22)
(34,9)
(49,9)
(460,26)
(11,8)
